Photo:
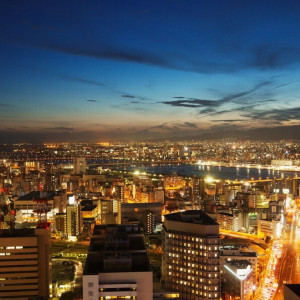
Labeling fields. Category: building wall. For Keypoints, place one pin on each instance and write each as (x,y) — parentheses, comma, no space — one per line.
(191,260)
(25,266)
(138,284)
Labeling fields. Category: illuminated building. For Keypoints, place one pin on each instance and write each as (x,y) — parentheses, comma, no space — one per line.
(148,215)
(60,223)
(270,228)
(50,179)
(110,212)
(238,280)
(159,195)
(191,255)
(229,221)
(117,265)
(119,191)
(79,165)
(26,205)
(73,219)
(229,253)
(25,264)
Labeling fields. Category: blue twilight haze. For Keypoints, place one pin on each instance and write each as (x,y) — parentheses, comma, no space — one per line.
(74,70)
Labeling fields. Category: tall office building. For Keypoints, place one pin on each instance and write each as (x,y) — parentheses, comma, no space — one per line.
(191,255)
(117,265)
(73,219)
(25,264)
(79,165)
(119,189)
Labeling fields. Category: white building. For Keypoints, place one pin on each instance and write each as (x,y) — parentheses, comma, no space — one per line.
(117,266)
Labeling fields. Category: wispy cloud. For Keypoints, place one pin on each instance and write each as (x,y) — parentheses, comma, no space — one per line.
(83,80)
(91,100)
(60,128)
(210,106)
(278,115)
(128,96)
(228,121)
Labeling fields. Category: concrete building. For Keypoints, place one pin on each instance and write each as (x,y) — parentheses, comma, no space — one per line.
(73,219)
(270,228)
(79,165)
(229,221)
(191,255)
(147,215)
(25,264)
(60,223)
(238,280)
(117,266)
(230,253)
(159,195)
(110,211)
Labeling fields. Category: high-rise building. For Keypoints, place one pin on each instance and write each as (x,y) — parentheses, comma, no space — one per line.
(198,186)
(119,191)
(79,165)
(25,264)
(238,280)
(73,219)
(191,255)
(110,211)
(117,266)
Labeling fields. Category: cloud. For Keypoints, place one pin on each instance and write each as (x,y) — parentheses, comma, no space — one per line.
(285,84)
(279,115)
(229,121)
(189,124)
(211,105)
(272,57)
(191,103)
(91,100)
(135,102)
(82,80)
(128,96)
(60,128)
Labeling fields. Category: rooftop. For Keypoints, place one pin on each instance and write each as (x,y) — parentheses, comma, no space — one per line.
(191,216)
(24,232)
(116,248)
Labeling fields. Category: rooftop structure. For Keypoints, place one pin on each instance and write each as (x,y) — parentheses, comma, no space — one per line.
(117,264)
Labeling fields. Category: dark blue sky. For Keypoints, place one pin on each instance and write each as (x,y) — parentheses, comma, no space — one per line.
(72,70)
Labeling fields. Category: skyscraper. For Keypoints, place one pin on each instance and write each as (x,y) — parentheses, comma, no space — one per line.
(191,255)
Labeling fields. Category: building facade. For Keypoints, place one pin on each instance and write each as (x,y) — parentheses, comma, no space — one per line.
(191,255)
(25,264)
(117,265)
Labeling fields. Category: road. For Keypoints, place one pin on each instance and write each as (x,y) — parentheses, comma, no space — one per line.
(290,270)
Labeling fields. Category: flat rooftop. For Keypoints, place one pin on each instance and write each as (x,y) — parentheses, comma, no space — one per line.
(191,216)
(115,249)
(24,232)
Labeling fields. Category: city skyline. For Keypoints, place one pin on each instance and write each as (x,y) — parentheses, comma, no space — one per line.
(148,70)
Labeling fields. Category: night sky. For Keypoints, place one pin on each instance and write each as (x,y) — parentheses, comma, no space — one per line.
(109,70)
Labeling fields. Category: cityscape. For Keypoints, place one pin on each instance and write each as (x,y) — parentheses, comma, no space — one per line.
(150,150)
(126,221)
